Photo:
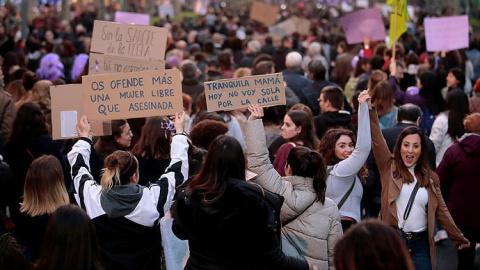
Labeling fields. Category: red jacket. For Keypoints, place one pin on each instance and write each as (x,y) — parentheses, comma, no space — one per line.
(458,174)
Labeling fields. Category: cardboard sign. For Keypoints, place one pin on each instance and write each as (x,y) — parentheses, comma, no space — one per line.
(165,10)
(104,64)
(130,17)
(363,23)
(282,29)
(129,40)
(67,109)
(302,25)
(132,95)
(264,13)
(447,33)
(264,90)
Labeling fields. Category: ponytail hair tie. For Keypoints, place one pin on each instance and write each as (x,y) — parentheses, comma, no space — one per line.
(129,165)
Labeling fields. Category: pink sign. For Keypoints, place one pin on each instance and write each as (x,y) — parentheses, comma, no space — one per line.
(447,33)
(363,23)
(129,17)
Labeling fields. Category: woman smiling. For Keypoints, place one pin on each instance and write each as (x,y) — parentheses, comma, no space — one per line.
(345,161)
(411,197)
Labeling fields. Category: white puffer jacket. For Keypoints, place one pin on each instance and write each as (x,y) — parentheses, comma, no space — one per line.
(315,227)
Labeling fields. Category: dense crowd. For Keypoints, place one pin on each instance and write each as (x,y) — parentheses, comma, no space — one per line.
(338,177)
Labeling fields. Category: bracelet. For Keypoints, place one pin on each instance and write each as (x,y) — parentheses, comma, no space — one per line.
(180,133)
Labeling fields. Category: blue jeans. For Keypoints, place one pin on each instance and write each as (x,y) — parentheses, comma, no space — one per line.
(420,252)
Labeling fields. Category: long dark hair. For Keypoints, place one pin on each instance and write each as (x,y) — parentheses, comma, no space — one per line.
(422,167)
(70,241)
(457,105)
(28,125)
(431,92)
(225,159)
(327,148)
(307,135)
(369,245)
(154,142)
(307,163)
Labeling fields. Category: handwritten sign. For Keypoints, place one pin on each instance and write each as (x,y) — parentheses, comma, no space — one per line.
(132,95)
(363,23)
(129,40)
(102,64)
(447,33)
(130,17)
(302,25)
(264,13)
(282,29)
(67,109)
(265,90)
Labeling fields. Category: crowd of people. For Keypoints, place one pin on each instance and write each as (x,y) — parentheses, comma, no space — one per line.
(339,177)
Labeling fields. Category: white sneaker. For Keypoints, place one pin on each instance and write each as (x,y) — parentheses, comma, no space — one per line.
(440,235)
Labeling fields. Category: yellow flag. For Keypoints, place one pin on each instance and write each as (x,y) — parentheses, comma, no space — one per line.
(402,18)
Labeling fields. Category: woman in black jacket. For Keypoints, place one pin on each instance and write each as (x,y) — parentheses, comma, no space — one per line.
(230,223)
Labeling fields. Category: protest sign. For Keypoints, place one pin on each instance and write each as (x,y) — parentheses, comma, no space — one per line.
(129,40)
(132,95)
(67,109)
(447,33)
(363,23)
(165,10)
(130,17)
(302,25)
(230,94)
(282,29)
(264,13)
(101,64)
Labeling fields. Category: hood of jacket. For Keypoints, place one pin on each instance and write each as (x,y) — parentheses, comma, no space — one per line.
(121,200)
(470,143)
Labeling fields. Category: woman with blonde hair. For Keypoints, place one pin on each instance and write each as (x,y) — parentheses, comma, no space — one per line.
(126,214)
(44,192)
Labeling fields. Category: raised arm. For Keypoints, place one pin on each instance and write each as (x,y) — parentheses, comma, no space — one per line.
(379,145)
(267,176)
(356,160)
(79,158)
(177,172)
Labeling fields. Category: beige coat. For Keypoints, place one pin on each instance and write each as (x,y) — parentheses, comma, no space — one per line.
(314,228)
(391,188)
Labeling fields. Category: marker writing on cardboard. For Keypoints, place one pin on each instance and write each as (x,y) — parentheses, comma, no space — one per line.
(110,108)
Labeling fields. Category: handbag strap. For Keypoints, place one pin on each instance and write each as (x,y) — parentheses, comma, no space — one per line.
(409,205)
(345,197)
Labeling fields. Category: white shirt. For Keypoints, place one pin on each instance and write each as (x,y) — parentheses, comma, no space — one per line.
(417,220)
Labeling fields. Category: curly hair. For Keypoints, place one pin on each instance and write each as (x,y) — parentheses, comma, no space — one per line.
(327,148)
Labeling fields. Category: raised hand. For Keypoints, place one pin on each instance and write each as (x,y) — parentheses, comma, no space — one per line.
(256,112)
(363,97)
(83,128)
(179,122)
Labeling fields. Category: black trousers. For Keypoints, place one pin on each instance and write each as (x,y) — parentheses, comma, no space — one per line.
(466,256)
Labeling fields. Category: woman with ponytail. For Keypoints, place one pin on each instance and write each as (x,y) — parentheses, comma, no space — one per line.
(124,213)
(311,222)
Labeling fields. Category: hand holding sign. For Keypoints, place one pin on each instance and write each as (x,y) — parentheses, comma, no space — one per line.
(179,122)
(256,112)
(83,128)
